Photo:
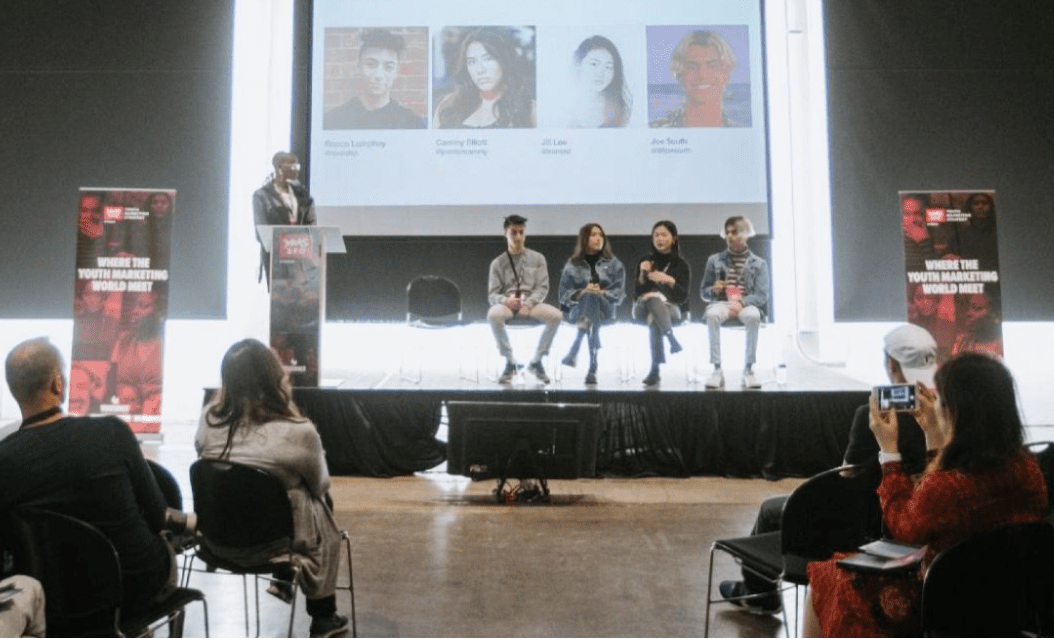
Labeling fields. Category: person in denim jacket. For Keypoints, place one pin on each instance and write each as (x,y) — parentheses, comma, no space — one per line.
(592,285)
(735,285)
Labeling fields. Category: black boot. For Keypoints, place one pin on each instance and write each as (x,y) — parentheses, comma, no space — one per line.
(591,376)
(675,346)
(653,375)
(571,359)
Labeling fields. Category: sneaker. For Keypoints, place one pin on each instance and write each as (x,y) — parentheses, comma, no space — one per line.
(716,379)
(769,603)
(749,380)
(652,378)
(508,373)
(591,378)
(539,372)
(329,626)
(571,359)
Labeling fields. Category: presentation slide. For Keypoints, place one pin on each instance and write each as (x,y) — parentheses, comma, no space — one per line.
(440,118)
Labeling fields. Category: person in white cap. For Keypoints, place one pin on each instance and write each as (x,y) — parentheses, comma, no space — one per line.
(910,357)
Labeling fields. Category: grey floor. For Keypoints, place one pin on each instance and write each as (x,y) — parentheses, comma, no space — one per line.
(435,557)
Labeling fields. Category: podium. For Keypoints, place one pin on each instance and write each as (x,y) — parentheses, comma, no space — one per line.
(298,294)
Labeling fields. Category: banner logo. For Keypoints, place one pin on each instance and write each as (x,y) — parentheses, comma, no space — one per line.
(936,216)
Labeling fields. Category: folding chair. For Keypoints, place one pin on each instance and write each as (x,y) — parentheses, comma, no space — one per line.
(81,574)
(239,506)
(432,302)
(994,584)
(834,511)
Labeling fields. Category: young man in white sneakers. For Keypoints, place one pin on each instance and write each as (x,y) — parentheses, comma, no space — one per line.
(735,286)
(517,287)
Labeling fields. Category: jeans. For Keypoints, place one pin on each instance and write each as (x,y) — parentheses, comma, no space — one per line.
(717,313)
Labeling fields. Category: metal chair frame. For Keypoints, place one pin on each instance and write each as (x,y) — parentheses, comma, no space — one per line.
(266,517)
(836,510)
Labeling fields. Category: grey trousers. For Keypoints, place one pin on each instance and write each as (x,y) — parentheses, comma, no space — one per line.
(549,315)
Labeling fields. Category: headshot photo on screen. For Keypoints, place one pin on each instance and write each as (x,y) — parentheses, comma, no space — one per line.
(376,78)
(600,95)
(699,76)
(484,78)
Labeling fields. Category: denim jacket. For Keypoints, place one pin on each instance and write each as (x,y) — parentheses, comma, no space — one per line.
(754,279)
(576,275)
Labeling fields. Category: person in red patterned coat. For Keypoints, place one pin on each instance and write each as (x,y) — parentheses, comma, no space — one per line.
(980,478)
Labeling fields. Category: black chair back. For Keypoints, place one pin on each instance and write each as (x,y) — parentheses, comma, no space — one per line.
(239,506)
(834,511)
(1044,454)
(432,301)
(168,485)
(78,567)
(994,584)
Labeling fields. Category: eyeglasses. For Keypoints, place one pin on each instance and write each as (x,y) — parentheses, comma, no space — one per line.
(295,166)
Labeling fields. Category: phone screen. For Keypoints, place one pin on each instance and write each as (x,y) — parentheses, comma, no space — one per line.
(898,397)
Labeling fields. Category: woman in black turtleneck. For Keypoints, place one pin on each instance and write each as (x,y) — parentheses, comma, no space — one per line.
(662,293)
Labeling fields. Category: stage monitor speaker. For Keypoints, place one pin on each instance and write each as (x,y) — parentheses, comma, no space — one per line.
(523,440)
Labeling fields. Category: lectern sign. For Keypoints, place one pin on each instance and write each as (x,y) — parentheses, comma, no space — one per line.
(293,246)
(119,305)
(296,301)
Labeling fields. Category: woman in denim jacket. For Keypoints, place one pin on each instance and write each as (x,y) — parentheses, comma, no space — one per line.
(592,285)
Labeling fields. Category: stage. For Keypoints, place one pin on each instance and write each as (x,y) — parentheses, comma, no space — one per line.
(380,407)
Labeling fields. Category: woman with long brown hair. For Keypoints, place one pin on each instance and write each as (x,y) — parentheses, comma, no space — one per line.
(592,285)
(980,478)
(254,421)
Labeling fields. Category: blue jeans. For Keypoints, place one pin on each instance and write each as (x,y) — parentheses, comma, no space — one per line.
(717,313)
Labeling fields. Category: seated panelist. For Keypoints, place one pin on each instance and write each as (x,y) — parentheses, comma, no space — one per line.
(592,285)
(735,286)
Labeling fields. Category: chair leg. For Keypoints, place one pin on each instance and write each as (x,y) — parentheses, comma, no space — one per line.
(175,623)
(245,600)
(351,582)
(709,593)
(292,609)
(205,613)
(710,599)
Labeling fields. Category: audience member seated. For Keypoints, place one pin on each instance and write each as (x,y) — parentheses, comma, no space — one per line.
(911,358)
(980,478)
(90,468)
(23,614)
(662,293)
(254,421)
(735,286)
(592,285)
(516,288)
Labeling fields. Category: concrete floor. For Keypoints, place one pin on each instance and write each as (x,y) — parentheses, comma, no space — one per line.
(435,557)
